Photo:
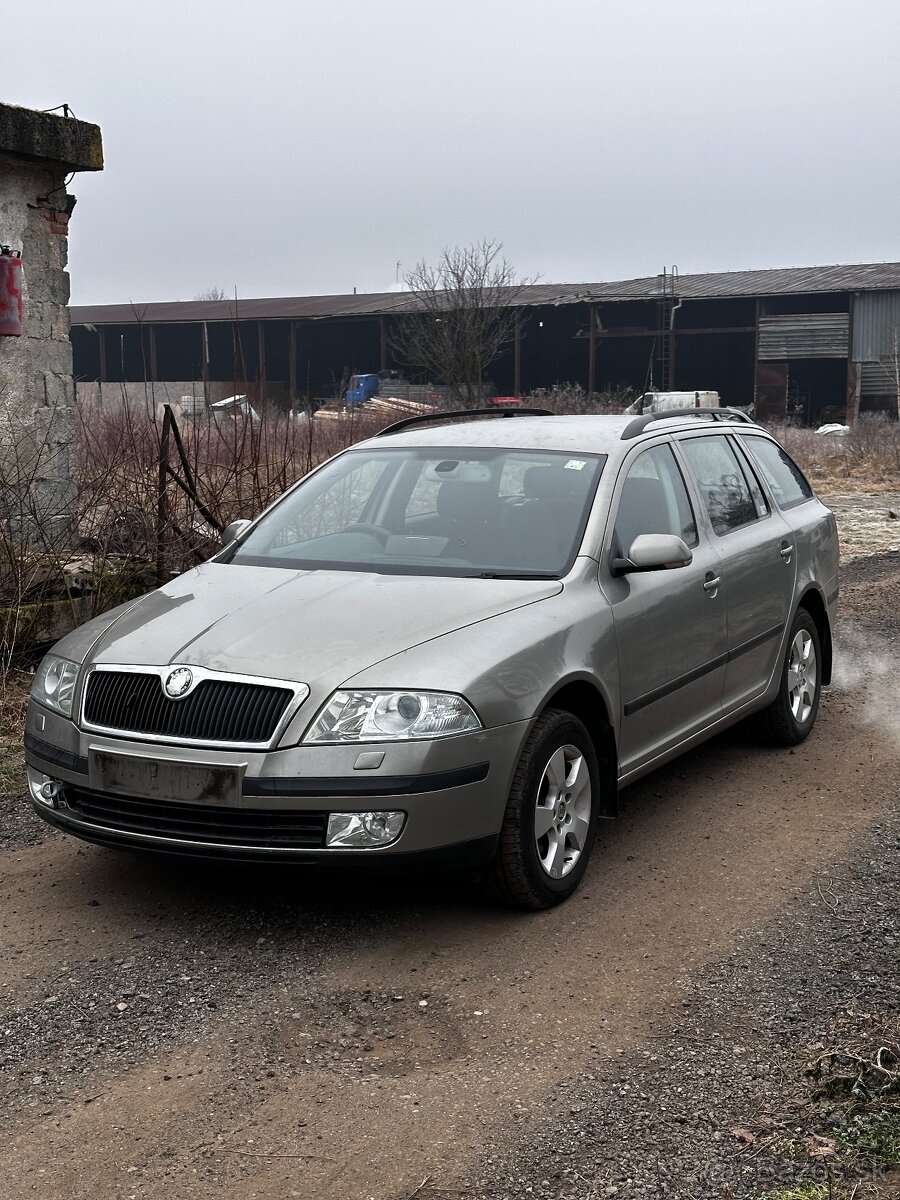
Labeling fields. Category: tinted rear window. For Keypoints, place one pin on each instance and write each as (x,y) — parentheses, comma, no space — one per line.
(786,481)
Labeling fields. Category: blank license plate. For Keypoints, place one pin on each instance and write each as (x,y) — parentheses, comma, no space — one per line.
(154,779)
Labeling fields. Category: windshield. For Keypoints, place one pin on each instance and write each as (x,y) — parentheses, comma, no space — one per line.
(426,511)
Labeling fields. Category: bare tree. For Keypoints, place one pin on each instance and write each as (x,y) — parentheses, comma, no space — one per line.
(212,293)
(890,364)
(464,314)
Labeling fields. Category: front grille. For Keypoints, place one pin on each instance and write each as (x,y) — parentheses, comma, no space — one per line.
(273,829)
(217,710)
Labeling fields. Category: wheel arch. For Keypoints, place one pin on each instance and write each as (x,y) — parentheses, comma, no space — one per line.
(584,700)
(813,602)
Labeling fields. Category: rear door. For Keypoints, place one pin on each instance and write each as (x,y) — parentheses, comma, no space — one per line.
(758,555)
(670,625)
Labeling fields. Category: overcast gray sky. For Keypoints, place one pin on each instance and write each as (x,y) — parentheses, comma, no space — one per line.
(286,148)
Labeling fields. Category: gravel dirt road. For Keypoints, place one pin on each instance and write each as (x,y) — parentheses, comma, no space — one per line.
(170,1030)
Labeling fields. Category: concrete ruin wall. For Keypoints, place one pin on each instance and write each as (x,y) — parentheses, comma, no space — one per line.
(38,151)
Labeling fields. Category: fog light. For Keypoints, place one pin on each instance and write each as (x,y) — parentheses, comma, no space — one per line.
(44,789)
(364,830)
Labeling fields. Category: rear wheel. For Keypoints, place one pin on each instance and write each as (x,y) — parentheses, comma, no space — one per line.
(551,815)
(791,715)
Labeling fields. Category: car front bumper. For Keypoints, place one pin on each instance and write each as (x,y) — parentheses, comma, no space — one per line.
(452,791)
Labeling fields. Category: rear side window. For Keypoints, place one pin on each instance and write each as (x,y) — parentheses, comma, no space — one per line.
(654,500)
(785,479)
(722,482)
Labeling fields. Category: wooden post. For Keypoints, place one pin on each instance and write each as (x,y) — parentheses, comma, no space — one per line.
(517,357)
(592,352)
(292,366)
(204,333)
(261,354)
(162,508)
(756,351)
(854,370)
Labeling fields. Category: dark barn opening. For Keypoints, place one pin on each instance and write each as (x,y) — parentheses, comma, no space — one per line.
(817,389)
(179,353)
(86,352)
(719,362)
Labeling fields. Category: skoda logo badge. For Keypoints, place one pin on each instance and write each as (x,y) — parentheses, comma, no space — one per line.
(178,682)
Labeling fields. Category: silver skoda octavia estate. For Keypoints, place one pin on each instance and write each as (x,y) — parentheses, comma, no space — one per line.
(450,644)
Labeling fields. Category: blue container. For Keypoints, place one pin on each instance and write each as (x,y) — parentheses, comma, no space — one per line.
(361,389)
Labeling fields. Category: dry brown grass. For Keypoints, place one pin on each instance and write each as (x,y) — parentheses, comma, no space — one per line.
(13,699)
(238,467)
(865,460)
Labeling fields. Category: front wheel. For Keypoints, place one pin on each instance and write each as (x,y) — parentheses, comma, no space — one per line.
(551,815)
(791,715)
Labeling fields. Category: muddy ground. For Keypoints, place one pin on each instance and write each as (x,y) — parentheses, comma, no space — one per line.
(169,1030)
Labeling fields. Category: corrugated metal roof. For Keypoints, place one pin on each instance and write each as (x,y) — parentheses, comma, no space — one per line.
(860,277)
(804,335)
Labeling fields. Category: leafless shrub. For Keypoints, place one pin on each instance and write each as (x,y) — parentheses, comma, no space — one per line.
(235,465)
(573,398)
(868,455)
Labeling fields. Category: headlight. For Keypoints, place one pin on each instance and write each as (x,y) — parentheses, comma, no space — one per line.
(391,716)
(54,684)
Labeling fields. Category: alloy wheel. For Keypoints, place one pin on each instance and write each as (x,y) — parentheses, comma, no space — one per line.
(562,817)
(802,676)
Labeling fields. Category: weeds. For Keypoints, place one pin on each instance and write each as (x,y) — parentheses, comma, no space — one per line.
(571,398)
(799,1191)
(872,1141)
(868,456)
(844,1128)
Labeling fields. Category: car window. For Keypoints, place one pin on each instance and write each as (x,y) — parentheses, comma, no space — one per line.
(476,511)
(654,500)
(722,482)
(785,479)
(423,497)
(750,474)
(337,506)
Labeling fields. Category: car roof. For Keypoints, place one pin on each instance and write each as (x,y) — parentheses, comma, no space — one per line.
(590,434)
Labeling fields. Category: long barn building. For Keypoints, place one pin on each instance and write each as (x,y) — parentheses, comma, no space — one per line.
(818,342)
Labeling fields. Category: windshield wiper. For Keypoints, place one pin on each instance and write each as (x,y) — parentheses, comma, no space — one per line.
(514,575)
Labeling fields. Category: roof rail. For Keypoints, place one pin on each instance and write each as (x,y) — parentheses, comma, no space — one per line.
(463,412)
(639,424)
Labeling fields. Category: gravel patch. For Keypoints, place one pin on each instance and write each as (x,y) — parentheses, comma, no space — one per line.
(684,1116)
(671,1119)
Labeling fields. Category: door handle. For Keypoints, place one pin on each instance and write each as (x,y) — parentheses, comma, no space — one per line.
(786,551)
(711,583)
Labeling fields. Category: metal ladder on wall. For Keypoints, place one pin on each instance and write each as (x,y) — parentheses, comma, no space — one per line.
(666,303)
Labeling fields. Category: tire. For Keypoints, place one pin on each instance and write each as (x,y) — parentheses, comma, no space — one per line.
(535,865)
(790,717)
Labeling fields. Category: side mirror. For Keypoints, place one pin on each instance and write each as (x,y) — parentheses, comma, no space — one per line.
(653,552)
(233,531)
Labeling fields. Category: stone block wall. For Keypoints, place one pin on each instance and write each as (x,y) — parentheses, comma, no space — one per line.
(36,368)
(38,153)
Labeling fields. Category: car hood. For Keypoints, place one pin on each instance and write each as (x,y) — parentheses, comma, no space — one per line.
(298,625)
